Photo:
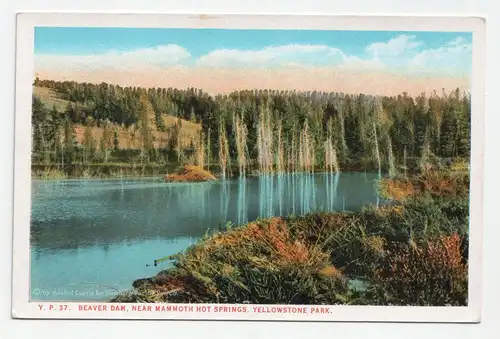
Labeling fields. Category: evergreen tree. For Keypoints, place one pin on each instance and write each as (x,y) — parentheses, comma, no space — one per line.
(116,142)
(88,141)
(69,142)
(146,138)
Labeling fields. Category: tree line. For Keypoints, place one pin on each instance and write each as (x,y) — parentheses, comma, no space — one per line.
(268,130)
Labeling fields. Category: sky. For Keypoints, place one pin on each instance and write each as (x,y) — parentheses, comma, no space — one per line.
(219,60)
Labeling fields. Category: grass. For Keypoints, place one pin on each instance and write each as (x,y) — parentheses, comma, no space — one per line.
(127,139)
(451,183)
(190,174)
(50,98)
(99,171)
(50,174)
(411,252)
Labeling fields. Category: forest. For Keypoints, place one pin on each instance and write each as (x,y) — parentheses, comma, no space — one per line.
(251,131)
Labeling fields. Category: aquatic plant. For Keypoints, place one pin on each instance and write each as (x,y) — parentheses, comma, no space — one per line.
(51,174)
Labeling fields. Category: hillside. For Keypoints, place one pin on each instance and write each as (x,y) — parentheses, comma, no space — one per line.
(128,138)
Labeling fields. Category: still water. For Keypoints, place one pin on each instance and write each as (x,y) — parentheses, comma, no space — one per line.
(91,239)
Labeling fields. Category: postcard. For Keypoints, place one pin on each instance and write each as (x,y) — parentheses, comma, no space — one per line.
(239,167)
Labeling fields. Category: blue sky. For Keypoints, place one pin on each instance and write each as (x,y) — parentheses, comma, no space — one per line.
(85,40)
(184,53)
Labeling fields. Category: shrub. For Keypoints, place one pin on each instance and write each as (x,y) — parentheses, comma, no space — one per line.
(259,263)
(433,274)
(434,183)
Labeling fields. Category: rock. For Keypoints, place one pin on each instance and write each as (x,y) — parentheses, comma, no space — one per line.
(142,282)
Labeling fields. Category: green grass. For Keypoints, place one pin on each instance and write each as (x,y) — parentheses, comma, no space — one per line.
(189,130)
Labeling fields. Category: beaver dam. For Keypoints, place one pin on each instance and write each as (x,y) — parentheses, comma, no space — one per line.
(190,174)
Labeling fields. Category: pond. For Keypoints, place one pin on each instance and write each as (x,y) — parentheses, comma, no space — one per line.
(90,239)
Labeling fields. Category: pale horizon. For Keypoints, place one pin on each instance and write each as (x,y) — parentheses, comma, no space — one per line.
(225,82)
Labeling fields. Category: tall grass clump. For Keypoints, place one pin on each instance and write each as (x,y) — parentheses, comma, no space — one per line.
(51,174)
(259,264)
(432,274)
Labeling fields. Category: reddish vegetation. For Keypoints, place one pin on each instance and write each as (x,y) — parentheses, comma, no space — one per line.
(274,236)
(190,174)
(398,189)
(433,183)
(439,185)
(432,271)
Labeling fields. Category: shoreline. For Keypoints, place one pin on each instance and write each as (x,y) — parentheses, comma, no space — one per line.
(226,267)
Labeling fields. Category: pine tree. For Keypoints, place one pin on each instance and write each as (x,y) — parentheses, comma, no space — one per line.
(71,113)
(55,132)
(106,142)
(192,116)
(116,142)
(69,142)
(146,137)
(39,123)
(88,141)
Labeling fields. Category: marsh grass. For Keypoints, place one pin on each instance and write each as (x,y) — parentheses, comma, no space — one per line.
(50,174)
(453,182)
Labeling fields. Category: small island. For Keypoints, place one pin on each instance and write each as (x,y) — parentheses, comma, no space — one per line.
(190,173)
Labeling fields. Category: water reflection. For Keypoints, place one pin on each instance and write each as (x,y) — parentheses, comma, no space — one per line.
(72,214)
(108,230)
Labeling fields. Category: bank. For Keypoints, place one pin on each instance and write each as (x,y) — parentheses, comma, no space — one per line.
(413,251)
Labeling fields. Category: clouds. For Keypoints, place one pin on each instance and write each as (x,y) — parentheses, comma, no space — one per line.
(454,56)
(402,54)
(271,56)
(394,47)
(294,55)
(160,56)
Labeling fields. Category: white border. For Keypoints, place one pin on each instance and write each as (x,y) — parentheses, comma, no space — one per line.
(22,308)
